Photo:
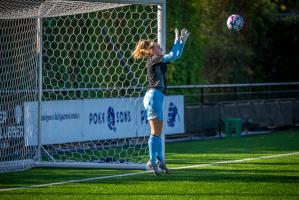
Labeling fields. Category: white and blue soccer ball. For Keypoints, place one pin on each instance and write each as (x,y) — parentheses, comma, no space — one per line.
(235,22)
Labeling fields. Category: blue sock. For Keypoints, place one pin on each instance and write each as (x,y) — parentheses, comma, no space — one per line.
(152,145)
(159,150)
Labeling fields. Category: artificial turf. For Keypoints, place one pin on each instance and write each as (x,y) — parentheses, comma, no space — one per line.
(271,178)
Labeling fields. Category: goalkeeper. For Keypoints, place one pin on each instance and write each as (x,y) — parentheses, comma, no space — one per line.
(153,99)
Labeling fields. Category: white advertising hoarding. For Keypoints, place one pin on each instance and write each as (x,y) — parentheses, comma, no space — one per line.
(98,119)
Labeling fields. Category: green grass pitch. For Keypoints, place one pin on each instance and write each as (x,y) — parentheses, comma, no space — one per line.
(270,178)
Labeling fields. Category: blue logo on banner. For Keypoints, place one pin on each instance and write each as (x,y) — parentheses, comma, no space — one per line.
(111,119)
(172,113)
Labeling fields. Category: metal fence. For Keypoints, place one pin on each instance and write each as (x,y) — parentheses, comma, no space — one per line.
(260,106)
(211,93)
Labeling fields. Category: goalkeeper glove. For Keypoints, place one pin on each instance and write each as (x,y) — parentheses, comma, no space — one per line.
(177,35)
(184,35)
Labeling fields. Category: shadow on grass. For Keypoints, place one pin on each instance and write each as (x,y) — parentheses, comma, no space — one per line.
(212,175)
(179,153)
(158,194)
(43,176)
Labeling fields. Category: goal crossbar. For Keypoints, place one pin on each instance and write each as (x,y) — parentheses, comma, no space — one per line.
(16,9)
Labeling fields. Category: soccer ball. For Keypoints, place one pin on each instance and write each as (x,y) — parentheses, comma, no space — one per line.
(235,22)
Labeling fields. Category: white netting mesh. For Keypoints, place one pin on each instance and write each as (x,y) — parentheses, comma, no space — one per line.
(85,56)
(79,52)
(88,56)
(18,59)
(49,8)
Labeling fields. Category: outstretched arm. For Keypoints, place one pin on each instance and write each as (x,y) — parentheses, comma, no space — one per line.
(173,54)
(178,46)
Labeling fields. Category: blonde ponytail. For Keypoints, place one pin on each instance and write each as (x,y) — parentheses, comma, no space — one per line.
(142,49)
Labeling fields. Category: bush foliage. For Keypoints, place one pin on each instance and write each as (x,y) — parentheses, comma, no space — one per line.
(264,51)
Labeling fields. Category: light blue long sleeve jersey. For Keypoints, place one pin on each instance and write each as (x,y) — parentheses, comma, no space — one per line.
(175,53)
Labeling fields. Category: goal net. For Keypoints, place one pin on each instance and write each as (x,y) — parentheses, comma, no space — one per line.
(70,91)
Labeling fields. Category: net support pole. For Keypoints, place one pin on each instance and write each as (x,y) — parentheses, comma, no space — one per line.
(162,25)
(40,94)
(162,41)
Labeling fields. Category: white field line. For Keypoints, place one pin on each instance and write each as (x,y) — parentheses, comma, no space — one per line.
(144,172)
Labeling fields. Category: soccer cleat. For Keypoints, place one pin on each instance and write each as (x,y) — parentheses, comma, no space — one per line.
(149,167)
(162,166)
(157,170)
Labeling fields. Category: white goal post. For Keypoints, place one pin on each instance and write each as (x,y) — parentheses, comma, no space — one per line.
(70,91)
